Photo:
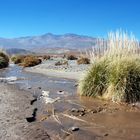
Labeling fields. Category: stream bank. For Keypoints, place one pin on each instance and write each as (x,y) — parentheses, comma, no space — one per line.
(72,117)
(15,107)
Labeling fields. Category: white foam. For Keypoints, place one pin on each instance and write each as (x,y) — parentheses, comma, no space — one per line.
(9,79)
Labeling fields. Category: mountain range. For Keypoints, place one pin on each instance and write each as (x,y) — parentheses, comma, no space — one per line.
(48,41)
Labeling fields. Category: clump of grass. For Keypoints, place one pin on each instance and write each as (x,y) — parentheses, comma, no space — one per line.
(5,56)
(4,60)
(59,63)
(46,57)
(115,73)
(30,61)
(71,57)
(83,60)
(17,59)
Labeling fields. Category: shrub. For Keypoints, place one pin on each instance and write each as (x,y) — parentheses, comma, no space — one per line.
(30,61)
(71,57)
(83,60)
(116,74)
(46,57)
(4,60)
(61,63)
(4,56)
(18,59)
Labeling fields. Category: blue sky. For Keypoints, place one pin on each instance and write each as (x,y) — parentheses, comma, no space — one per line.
(87,17)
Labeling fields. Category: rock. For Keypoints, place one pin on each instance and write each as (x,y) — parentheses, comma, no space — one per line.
(82,110)
(33,118)
(106,134)
(29,87)
(133,105)
(60,92)
(89,110)
(74,128)
(74,110)
(82,114)
(30,119)
(99,109)
(39,87)
(34,112)
(76,85)
(32,101)
(94,111)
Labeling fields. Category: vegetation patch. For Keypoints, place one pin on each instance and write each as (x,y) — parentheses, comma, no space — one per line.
(115,75)
(71,57)
(18,59)
(46,57)
(30,61)
(59,63)
(83,60)
(4,60)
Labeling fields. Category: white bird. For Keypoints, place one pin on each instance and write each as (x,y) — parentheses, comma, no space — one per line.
(47,99)
(45,93)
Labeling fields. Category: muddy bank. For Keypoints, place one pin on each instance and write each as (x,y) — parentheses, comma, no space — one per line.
(14,108)
(70,118)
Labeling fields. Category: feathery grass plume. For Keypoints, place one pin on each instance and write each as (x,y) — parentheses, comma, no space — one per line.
(115,72)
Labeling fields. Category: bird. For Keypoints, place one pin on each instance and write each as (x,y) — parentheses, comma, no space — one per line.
(47,100)
(45,93)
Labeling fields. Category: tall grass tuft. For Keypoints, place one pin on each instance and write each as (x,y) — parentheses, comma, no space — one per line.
(115,72)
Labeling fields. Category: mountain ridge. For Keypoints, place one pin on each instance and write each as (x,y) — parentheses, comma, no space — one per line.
(49,40)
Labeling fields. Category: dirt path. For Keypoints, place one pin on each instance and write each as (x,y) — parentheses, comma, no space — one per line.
(14,108)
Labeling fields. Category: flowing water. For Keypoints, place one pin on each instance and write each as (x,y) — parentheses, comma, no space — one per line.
(95,119)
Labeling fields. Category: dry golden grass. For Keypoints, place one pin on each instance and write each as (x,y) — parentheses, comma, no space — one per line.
(30,61)
(18,59)
(115,72)
(83,60)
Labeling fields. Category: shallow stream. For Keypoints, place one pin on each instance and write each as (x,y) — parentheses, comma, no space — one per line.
(95,119)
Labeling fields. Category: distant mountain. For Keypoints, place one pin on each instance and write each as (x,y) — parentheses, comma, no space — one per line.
(15,51)
(49,40)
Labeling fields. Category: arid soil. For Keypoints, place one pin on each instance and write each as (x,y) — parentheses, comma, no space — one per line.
(14,108)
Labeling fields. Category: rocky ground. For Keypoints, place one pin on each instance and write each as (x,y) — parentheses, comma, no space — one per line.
(14,109)
(70,71)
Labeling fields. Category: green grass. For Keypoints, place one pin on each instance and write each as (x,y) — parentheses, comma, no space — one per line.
(115,75)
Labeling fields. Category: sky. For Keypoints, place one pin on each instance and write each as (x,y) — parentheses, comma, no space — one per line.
(85,17)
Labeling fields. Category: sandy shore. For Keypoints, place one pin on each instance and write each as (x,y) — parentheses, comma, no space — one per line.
(15,107)
(72,71)
(57,73)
